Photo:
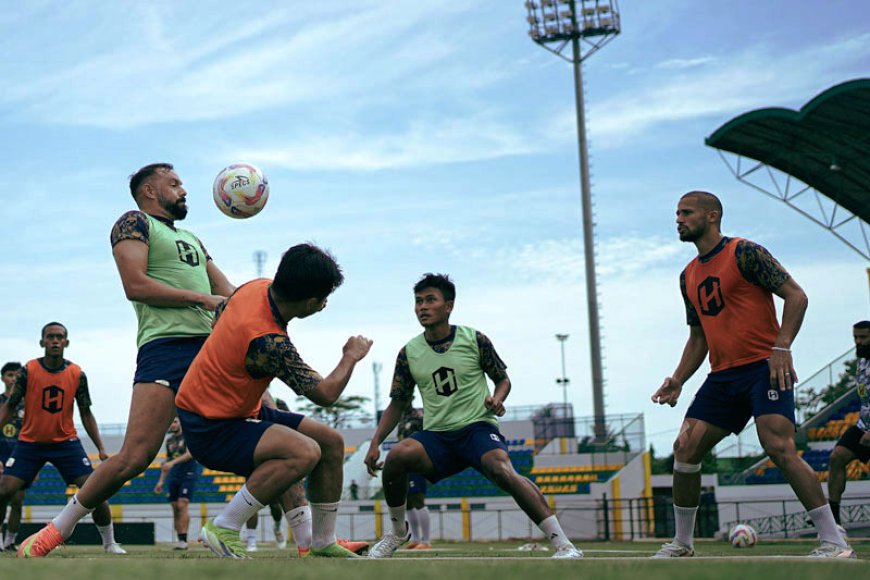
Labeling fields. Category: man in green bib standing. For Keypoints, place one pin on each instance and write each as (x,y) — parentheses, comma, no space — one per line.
(460,427)
(174,286)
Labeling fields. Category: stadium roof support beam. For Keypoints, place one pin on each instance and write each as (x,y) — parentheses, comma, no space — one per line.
(816,159)
(802,198)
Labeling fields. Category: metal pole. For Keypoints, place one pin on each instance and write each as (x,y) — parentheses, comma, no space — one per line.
(376,369)
(784,520)
(564,380)
(259,261)
(600,427)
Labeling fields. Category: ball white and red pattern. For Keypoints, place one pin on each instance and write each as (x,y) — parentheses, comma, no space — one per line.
(742,536)
(240,190)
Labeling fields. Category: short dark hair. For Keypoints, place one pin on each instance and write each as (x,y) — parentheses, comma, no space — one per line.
(65,331)
(10,366)
(706,200)
(440,281)
(306,271)
(864,324)
(138,178)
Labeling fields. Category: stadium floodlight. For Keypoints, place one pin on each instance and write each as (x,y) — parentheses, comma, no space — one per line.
(585,25)
(563,380)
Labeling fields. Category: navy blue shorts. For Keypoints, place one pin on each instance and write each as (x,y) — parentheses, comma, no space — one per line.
(851,440)
(229,444)
(416,483)
(181,484)
(728,398)
(453,451)
(5,451)
(166,360)
(68,457)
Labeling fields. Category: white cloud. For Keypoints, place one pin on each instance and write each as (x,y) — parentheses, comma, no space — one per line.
(215,68)
(447,140)
(757,77)
(684,63)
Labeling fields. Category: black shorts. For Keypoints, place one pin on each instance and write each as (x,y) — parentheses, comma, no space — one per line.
(68,457)
(453,451)
(728,398)
(165,361)
(229,444)
(851,440)
(181,485)
(416,484)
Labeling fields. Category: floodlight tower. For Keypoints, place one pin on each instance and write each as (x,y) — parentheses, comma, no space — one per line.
(259,262)
(554,24)
(563,380)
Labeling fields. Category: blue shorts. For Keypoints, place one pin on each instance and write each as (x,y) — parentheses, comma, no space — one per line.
(728,398)
(229,444)
(416,484)
(5,451)
(453,451)
(181,484)
(68,457)
(166,360)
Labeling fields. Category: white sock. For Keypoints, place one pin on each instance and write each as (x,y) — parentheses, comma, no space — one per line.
(10,538)
(423,518)
(299,522)
(107,533)
(239,510)
(69,516)
(414,524)
(323,516)
(823,518)
(397,517)
(553,530)
(684,522)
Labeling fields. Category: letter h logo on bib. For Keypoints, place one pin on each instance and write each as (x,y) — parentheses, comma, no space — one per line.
(710,296)
(444,380)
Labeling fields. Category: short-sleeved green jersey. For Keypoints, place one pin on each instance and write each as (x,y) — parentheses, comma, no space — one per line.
(452,384)
(176,258)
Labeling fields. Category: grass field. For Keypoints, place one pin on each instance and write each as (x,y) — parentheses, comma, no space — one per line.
(449,561)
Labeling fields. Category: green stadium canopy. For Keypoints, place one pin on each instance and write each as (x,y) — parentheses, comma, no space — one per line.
(825,144)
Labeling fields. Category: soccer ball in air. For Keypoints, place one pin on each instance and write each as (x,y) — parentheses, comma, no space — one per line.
(240,190)
(742,536)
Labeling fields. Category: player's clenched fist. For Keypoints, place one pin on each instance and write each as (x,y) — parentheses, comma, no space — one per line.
(357,347)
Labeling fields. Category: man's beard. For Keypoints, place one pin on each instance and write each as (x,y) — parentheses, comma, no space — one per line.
(176,210)
(862,350)
(691,235)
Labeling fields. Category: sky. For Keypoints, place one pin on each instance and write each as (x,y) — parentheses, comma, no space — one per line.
(411,137)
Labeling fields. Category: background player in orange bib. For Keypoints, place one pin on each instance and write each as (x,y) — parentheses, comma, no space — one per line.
(48,386)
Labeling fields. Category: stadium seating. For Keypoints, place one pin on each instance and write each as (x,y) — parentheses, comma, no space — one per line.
(218,487)
(50,489)
(571,478)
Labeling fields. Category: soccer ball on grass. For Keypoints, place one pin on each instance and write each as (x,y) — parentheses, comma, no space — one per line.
(742,536)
